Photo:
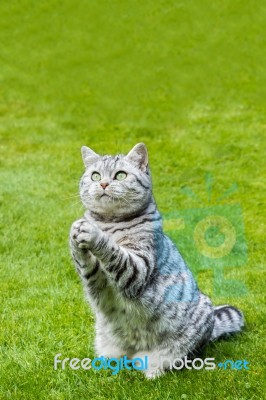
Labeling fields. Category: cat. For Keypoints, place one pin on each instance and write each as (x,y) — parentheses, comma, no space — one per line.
(145,299)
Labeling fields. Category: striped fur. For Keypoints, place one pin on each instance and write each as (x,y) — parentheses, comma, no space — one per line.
(228,319)
(145,299)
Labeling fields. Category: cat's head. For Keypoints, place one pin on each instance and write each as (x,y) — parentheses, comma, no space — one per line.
(116,186)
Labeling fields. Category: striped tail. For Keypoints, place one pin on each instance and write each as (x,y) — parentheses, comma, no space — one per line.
(227,320)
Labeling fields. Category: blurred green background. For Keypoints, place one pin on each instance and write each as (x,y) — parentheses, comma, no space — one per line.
(186,77)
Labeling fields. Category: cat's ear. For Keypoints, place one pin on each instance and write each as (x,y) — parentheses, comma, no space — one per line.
(89,156)
(139,156)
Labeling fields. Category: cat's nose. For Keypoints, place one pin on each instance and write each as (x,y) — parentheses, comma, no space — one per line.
(104,185)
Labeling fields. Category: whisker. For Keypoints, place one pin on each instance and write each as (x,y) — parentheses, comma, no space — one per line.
(74,204)
(70,197)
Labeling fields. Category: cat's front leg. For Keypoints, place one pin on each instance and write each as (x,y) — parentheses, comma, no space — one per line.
(124,268)
(87,265)
(82,257)
(85,234)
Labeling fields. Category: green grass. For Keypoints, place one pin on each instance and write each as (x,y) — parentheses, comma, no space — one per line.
(188,79)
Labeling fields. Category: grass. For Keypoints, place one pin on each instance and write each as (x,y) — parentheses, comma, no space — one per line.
(188,79)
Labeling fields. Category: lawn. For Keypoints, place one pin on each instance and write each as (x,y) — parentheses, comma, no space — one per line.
(188,79)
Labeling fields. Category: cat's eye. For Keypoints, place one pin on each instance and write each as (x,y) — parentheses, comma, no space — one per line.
(120,175)
(95,176)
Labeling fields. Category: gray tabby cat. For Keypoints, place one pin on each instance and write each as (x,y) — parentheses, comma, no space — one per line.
(144,297)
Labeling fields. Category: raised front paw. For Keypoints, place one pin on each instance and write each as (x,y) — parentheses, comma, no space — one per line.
(84,234)
(74,231)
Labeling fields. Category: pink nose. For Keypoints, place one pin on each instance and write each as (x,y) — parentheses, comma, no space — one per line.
(104,185)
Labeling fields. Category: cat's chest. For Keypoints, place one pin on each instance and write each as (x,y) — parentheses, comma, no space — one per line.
(122,230)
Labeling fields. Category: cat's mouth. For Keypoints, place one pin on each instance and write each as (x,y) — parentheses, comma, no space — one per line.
(104,195)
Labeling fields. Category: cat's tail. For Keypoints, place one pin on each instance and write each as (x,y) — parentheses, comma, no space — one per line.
(227,320)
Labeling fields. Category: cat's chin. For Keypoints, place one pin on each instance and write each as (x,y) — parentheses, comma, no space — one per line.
(105,196)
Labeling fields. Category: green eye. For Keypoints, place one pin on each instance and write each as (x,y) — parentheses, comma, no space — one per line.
(120,176)
(95,176)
